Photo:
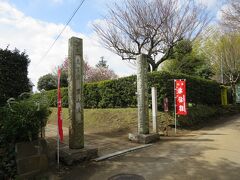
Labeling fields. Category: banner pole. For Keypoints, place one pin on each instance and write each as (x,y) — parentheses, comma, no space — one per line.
(59,114)
(175,111)
(58,149)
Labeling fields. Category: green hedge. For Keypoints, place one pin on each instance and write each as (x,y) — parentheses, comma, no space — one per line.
(199,91)
(121,92)
(201,115)
(198,115)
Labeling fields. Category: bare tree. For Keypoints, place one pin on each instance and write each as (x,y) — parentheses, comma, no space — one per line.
(231,15)
(152,27)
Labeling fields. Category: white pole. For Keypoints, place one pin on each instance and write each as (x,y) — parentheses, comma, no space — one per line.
(58,104)
(154,109)
(175,115)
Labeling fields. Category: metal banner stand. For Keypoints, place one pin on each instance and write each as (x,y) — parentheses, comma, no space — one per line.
(58,147)
(175,106)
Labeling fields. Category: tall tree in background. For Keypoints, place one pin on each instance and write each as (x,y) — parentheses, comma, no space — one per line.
(231,15)
(102,63)
(13,74)
(47,82)
(154,27)
(88,71)
(186,59)
(91,74)
(101,72)
(223,52)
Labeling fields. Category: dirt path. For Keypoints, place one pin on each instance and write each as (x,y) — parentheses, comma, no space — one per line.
(211,153)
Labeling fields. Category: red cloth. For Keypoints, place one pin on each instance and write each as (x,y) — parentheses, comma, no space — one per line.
(60,130)
(180,95)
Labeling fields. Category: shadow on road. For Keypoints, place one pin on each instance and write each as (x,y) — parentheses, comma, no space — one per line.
(174,161)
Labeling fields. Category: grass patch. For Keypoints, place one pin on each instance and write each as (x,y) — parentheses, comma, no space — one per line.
(101,120)
(106,120)
(125,119)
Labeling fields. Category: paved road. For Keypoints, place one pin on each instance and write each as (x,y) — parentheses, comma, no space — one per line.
(212,153)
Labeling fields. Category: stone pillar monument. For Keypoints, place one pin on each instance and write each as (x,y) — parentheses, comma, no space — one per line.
(142,135)
(142,95)
(75,93)
(76,151)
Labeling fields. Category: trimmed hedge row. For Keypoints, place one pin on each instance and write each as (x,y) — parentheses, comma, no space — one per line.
(199,91)
(201,115)
(121,92)
(198,116)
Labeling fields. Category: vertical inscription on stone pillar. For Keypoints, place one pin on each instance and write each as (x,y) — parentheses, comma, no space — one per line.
(142,93)
(75,93)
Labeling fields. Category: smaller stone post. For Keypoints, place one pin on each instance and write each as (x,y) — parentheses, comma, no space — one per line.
(154,109)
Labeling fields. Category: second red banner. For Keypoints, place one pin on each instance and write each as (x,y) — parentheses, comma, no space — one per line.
(180,95)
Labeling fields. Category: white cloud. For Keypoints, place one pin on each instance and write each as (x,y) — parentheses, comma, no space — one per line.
(208,3)
(35,36)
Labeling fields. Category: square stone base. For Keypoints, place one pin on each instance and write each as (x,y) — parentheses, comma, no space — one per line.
(143,138)
(70,156)
(31,158)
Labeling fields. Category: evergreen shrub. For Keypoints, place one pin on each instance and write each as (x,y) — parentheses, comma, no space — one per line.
(122,92)
(13,74)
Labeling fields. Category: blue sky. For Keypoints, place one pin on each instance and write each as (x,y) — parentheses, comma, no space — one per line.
(58,11)
(32,25)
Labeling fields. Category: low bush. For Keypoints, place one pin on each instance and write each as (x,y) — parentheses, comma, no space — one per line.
(197,115)
(201,115)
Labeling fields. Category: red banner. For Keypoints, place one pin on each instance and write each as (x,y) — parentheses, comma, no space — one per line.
(60,130)
(180,95)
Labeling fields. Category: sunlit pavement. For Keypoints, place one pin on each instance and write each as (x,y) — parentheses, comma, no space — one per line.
(211,153)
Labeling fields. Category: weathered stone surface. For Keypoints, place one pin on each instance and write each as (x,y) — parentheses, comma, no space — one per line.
(75,93)
(32,164)
(25,149)
(70,156)
(27,176)
(43,146)
(143,138)
(31,158)
(142,94)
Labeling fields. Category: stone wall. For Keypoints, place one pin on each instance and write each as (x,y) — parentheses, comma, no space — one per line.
(31,158)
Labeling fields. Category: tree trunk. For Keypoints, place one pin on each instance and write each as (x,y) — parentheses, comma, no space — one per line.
(233,86)
(154,67)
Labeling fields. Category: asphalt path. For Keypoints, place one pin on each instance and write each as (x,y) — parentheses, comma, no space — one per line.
(210,153)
